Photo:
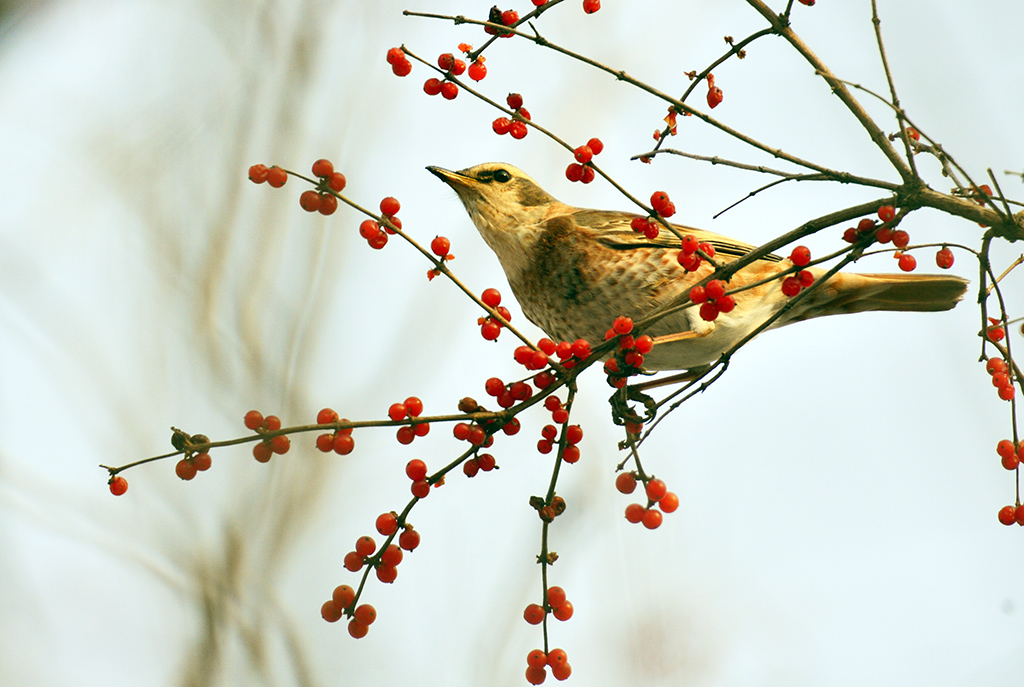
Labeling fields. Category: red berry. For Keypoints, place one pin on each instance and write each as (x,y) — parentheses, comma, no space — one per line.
(669,502)
(622,325)
(635,513)
(343,595)
(900,238)
(343,444)
(714,289)
(416,469)
(258,174)
(850,235)
(185,469)
(337,182)
(625,482)
(397,411)
(536,676)
(944,258)
(440,246)
(708,311)
(886,213)
(563,613)
(714,97)
(310,201)
(369,229)
(536,659)
(323,168)
(556,596)
(420,489)
(276,176)
(574,434)
(652,519)
(395,55)
(907,262)
(574,172)
(331,611)
(486,462)
(563,670)
(491,298)
(253,419)
(595,145)
(449,90)
(791,286)
(280,444)
(490,330)
(365,546)
(1007,515)
(518,130)
(655,489)
(390,206)
(413,406)
(365,614)
(1005,449)
(591,6)
(583,155)
(409,539)
(509,17)
(353,561)
(477,71)
(357,629)
(805,277)
(118,485)
(387,524)
(328,204)
(800,256)
(534,614)
(995,365)
(262,452)
(432,86)
(391,556)
(501,125)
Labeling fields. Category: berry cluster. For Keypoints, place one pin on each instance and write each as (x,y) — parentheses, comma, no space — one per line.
(629,356)
(507,18)
(792,285)
(412,407)
(341,441)
(712,299)
(693,252)
(321,200)
(490,326)
(452,66)
(581,170)
(515,127)
(1000,373)
(573,436)
(274,176)
(714,93)
(537,662)
(657,494)
(400,64)
(649,226)
(265,450)
(555,603)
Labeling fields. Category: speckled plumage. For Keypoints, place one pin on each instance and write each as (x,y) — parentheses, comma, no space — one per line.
(574,270)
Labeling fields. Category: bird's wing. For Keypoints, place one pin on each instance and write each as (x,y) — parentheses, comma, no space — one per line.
(613,230)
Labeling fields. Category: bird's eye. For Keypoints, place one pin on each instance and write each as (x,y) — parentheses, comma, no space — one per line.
(502,176)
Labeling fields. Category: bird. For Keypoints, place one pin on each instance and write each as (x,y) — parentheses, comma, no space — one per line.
(574,270)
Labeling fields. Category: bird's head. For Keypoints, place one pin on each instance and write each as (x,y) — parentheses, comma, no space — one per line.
(507,206)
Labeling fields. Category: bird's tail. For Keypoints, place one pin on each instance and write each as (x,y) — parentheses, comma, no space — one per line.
(849,293)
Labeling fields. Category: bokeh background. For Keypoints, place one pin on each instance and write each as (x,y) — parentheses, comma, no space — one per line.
(839,485)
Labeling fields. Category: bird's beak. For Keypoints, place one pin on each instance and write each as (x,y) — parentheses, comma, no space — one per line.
(453,179)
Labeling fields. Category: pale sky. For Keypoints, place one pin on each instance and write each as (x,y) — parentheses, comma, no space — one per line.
(839,485)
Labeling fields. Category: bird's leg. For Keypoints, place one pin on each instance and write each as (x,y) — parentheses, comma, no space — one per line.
(687,376)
